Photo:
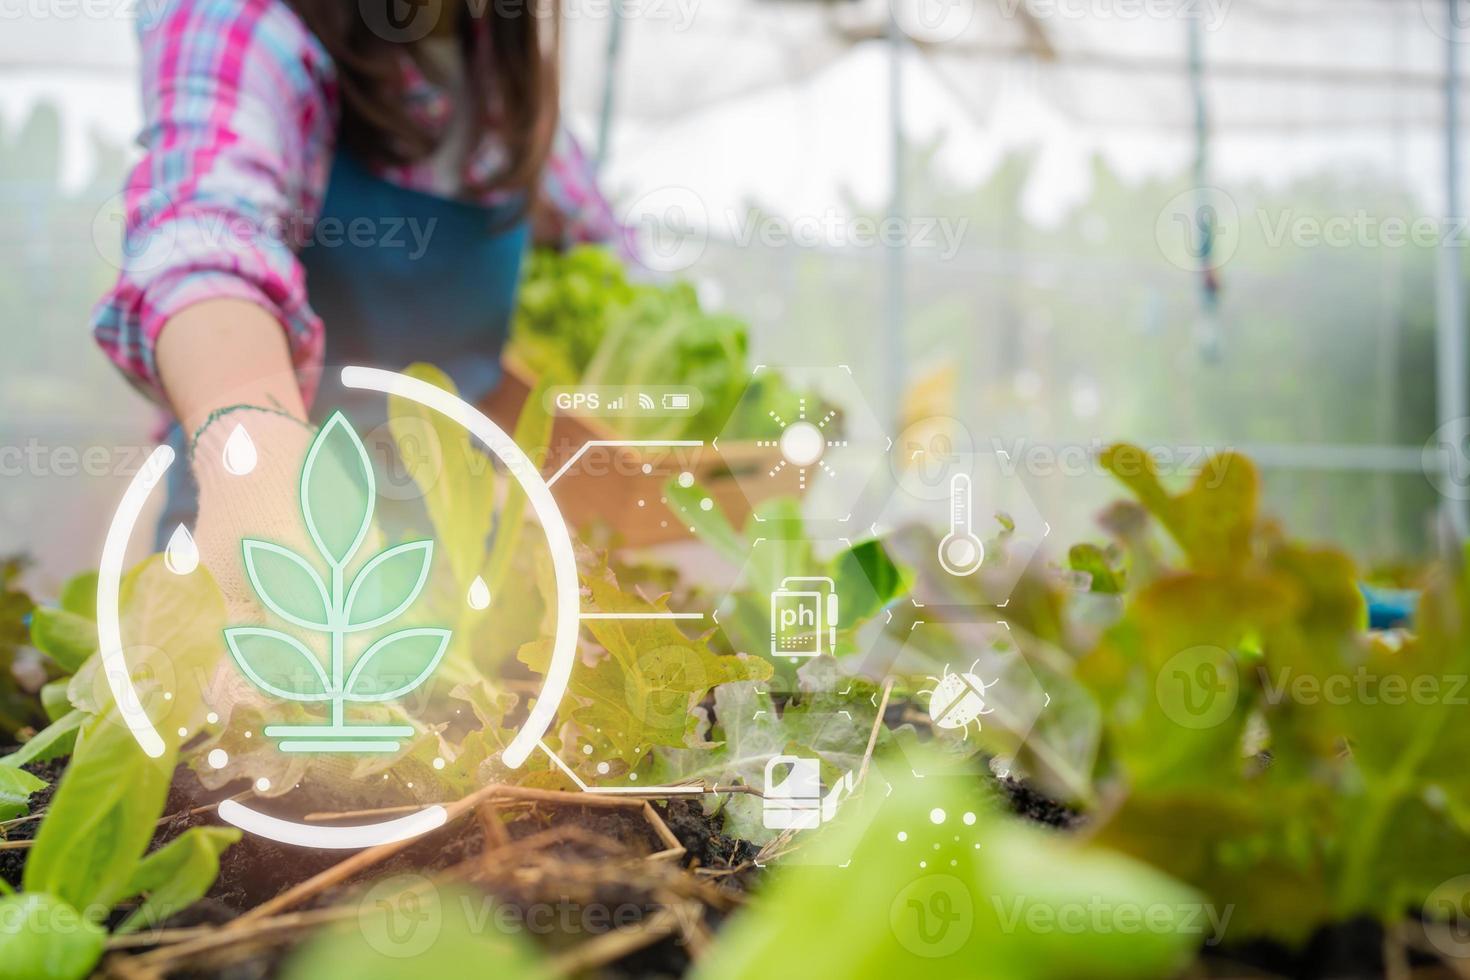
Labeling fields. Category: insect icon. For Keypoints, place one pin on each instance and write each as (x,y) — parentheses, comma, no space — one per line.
(958,699)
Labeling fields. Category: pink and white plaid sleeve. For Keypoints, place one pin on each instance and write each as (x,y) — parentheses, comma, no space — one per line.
(569,185)
(239,116)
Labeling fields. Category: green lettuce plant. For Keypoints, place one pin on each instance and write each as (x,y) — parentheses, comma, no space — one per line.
(1253,738)
(90,854)
(931,880)
(580,321)
(19,708)
(67,634)
(638,686)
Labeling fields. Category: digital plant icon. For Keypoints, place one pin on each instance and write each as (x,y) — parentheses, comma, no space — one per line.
(337,494)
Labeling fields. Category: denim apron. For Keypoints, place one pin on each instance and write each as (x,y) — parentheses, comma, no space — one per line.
(397,276)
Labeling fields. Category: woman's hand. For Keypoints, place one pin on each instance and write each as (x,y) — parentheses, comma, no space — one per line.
(225,364)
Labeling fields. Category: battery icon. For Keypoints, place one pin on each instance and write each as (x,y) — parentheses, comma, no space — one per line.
(676,401)
(804,612)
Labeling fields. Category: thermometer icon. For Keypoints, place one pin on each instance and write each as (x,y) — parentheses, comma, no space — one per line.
(961,551)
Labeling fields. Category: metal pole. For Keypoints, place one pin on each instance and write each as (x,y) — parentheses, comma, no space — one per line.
(609,82)
(1207,329)
(894,371)
(1450,362)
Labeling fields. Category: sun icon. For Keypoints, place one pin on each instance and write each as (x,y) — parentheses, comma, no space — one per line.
(803,443)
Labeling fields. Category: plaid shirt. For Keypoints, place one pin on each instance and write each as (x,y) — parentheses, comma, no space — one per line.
(240,107)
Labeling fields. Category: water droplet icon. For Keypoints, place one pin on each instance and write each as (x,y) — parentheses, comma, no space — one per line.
(240,456)
(479,596)
(181,555)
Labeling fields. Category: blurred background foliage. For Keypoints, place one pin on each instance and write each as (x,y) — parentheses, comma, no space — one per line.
(1034,336)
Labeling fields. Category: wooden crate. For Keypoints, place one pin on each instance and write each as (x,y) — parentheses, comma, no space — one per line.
(607,483)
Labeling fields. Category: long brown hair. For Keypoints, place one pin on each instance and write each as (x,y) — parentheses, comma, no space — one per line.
(510,57)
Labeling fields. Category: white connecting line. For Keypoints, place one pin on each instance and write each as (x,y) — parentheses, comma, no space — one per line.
(637,444)
(620,790)
(618,443)
(653,615)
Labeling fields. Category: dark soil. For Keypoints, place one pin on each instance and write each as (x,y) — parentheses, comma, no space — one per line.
(708,848)
(256,870)
(1342,951)
(251,871)
(1027,802)
(13,862)
(701,837)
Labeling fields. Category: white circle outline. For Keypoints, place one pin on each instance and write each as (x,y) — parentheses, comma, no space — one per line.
(563,654)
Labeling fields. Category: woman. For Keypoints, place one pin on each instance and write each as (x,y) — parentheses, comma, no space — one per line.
(325,181)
